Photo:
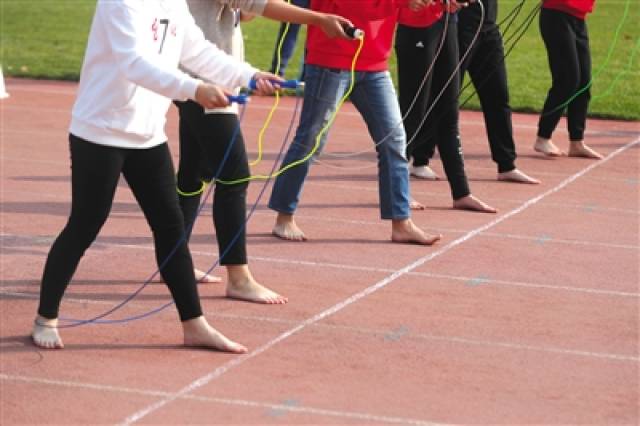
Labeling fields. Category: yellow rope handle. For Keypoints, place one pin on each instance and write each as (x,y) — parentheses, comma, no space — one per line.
(318,137)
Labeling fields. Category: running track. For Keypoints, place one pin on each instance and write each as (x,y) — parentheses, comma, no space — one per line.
(528,316)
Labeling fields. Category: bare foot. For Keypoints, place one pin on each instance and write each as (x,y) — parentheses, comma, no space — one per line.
(416,205)
(243,286)
(472,203)
(516,176)
(45,333)
(579,149)
(198,333)
(201,277)
(547,147)
(287,229)
(423,172)
(405,231)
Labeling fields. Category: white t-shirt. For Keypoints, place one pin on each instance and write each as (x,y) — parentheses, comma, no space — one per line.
(130,71)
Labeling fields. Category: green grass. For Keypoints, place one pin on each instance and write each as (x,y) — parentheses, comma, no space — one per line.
(46,39)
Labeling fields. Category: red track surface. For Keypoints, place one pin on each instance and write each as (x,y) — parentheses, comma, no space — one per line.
(527,316)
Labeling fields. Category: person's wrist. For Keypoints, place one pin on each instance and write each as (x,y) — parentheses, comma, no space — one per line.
(318,19)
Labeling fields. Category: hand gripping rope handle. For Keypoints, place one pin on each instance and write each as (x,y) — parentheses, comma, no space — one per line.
(353,32)
(238,99)
(287,84)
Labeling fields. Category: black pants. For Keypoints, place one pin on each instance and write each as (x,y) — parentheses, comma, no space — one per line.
(415,50)
(567,43)
(204,140)
(485,63)
(95,171)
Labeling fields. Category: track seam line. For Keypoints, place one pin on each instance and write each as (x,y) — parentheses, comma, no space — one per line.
(364,293)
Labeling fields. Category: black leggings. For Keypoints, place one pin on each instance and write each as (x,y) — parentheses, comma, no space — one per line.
(486,66)
(567,43)
(415,51)
(95,171)
(204,140)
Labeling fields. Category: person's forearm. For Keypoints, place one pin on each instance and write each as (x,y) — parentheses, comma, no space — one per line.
(280,10)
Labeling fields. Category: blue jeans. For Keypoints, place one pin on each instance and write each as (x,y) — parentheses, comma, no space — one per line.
(375,98)
(288,44)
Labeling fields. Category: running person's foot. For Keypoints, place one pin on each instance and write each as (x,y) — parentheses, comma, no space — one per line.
(406,232)
(287,229)
(242,286)
(45,333)
(205,278)
(201,277)
(474,204)
(517,176)
(416,205)
(423,172)
(579,149)
(198,333)
(547,147)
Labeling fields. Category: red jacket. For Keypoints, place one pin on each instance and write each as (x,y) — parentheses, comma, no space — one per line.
(577,8)
(377,18)
(423,18)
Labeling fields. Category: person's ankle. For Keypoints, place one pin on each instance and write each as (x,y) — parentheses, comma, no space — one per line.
(284,218)
(237,273)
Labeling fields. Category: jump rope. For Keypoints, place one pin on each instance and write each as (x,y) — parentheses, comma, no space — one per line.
(517,35)
(357,34)
(98,319)
(602,67)
(511,16)
(241,100)
(453,75)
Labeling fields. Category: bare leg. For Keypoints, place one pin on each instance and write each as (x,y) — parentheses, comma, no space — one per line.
(547,147)
(405,231)
(517,176)
(579,149)
(287,229)
(474,204)
(45,333)
(243,286)
(198,333)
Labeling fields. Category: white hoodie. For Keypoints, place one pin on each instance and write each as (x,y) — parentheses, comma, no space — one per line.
(130,71)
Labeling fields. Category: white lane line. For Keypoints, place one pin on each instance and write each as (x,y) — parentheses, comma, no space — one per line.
(369,331)
(223,401)
(202,381)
